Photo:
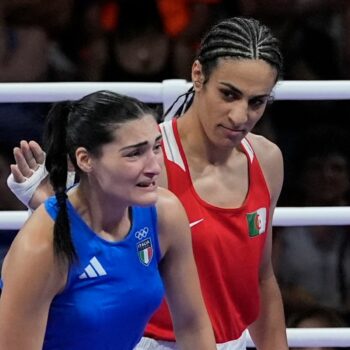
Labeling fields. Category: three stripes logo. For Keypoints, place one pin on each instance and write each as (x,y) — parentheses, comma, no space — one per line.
(93,270)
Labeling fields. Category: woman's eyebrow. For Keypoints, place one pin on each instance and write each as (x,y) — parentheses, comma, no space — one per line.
(140,144)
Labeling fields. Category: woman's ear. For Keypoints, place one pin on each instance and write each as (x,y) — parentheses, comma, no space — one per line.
(197,75)
(84,160)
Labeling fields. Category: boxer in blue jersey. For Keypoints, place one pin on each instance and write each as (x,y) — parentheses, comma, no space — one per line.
(91,265)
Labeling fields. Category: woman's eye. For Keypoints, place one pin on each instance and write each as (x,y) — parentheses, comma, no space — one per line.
(256,103)
(229,95)
(158,147)
(134,153)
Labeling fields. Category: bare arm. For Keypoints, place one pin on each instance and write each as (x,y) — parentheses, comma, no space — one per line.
(191,322)
(268,331)
(31,280)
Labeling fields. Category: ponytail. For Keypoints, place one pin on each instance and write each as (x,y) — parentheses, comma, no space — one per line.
(185,104)
(56,163)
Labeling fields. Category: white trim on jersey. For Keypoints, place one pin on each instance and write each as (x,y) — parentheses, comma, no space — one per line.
(249,149)
(171,148)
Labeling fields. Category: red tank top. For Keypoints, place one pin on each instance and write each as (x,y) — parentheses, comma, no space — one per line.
(227,245)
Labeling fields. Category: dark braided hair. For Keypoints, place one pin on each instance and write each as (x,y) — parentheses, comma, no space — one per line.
(239,38)
(90,123)
(235,38)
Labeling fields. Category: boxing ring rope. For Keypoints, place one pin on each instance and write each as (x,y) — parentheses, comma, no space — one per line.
(165,93)
(283,216)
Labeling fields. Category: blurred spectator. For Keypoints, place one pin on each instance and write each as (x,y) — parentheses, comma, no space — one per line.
(316,317)
(83,41)
(345,39)
(308,32)
(185,22)
(24,57)
(316,258)
(158,41)
(139,48)
(37,26)
(23,49)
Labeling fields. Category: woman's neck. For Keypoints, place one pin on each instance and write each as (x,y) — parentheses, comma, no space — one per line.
(107,218)
(196,143)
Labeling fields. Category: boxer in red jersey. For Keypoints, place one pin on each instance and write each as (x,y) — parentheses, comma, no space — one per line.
(229,181)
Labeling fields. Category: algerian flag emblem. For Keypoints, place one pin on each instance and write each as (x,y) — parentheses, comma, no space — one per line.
(145,251)
(257,222)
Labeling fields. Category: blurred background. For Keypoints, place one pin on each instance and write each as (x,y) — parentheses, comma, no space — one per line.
(108,40)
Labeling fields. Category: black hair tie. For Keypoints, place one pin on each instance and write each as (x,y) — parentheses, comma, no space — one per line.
(61,198)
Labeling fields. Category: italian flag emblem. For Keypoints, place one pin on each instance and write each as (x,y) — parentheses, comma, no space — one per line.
(145,251)
(256,222)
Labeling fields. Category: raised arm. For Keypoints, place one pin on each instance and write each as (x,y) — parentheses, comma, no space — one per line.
(191,322)
(28,179)
(30,279)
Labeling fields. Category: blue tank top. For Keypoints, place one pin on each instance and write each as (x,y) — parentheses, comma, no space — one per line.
(112,290)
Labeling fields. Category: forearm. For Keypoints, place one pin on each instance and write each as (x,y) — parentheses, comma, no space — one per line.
(190,339)
(44,191)
(269,331)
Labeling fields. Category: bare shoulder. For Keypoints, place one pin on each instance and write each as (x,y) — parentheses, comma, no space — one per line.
(36,234)
(32,250)
(271,161)
(169,208)
(167,200)
(172,219)
(266,150)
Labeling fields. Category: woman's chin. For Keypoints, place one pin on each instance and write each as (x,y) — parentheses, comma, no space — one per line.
(147,199)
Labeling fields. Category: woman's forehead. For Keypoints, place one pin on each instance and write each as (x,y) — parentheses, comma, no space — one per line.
(245,74)
(146,126)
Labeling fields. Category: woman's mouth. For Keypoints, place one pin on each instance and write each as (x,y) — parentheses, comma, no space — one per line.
(146,184)
(232,131)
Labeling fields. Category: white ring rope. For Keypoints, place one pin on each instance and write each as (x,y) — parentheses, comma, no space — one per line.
(166,92)
(312,337)
(51,92)
(283,216)
(308,216)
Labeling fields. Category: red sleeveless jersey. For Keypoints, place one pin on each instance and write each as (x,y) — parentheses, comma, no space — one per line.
(227,245)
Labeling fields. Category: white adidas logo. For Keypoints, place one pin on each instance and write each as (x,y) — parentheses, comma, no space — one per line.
(94,269)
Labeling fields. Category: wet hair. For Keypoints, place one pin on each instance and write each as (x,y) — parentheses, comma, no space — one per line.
(89,122)
(236,38)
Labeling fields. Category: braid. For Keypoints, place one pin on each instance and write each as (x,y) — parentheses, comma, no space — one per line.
(241,38)
(56,163)
(188,96)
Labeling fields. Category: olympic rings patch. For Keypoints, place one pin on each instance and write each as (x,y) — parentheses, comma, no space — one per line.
(140,234)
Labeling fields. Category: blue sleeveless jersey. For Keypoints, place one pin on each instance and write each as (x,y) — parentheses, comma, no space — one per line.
(112,290)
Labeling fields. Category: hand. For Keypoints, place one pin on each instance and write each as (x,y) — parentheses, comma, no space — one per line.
(28,158)
(28,179)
